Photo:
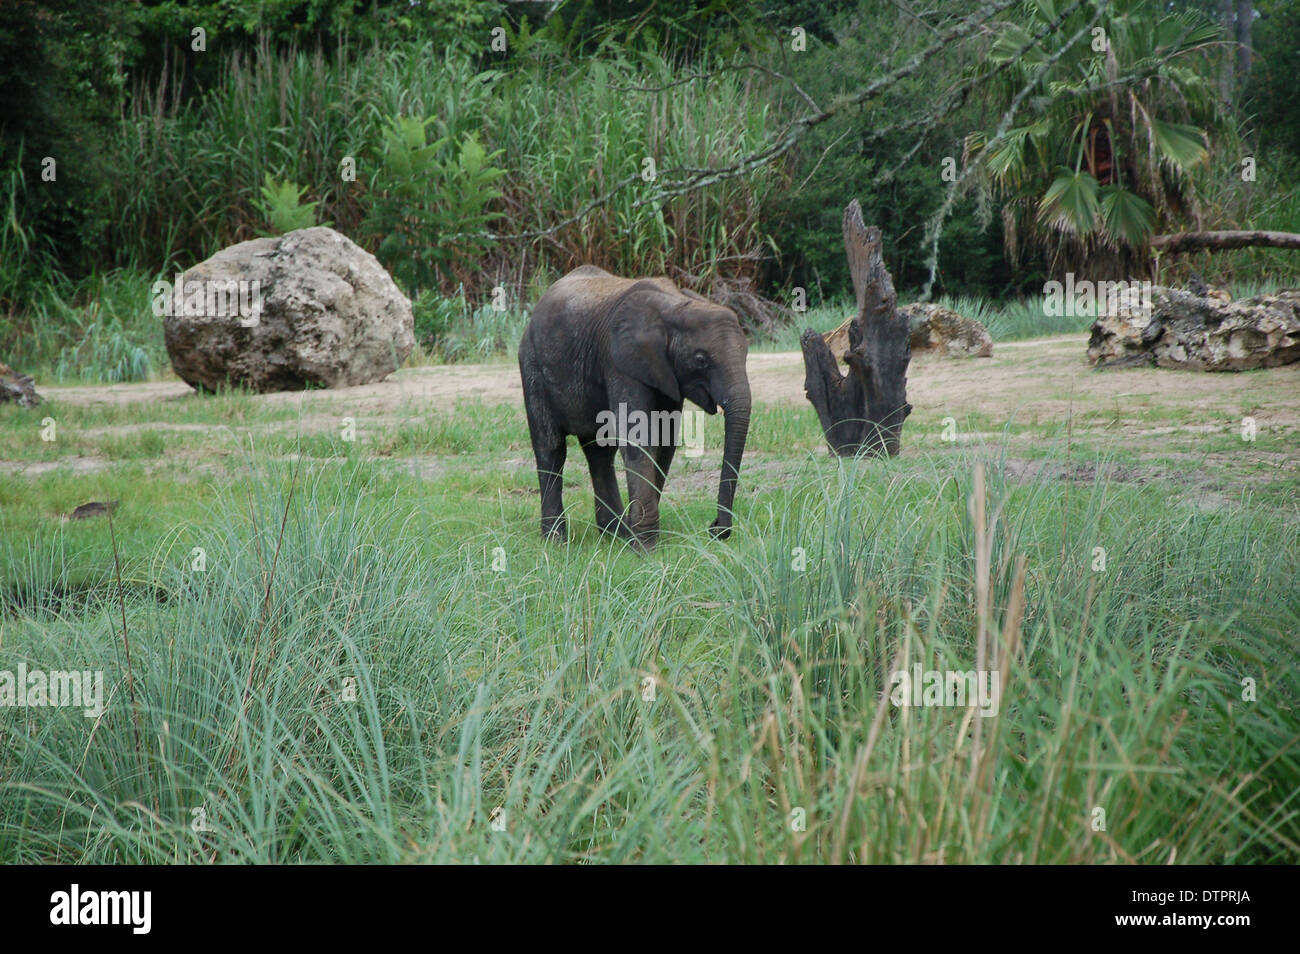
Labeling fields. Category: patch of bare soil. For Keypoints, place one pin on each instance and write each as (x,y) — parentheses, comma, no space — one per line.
(1156,412)
(1079,473)
(35,468)
(1053,375)
(436,387)
(1048,376)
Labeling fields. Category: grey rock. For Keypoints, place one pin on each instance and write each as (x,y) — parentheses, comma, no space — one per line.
(17,388)
(934,329)
(329,316)
(1183,330)
(942,330)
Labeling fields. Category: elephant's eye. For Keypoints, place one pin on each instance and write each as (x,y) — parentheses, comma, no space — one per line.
(700,360)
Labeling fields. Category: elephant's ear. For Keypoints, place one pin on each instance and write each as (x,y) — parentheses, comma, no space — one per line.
(638,340)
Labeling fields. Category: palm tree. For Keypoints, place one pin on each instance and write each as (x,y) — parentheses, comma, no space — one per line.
(1108,136)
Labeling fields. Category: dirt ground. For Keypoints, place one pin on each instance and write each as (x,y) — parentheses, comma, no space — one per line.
(1047,378)
(1022,404)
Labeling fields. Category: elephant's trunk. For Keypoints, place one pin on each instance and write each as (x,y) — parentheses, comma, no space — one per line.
(736,409)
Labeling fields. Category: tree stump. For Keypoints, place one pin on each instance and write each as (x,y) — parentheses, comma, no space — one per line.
(18,388)
(863,411)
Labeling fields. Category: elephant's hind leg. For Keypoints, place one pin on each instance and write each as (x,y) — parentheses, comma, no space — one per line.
(609,502)
(550,451)
(550,477)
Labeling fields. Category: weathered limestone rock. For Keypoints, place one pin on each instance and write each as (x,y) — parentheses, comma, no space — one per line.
(273,314)
(943,331)
(1185,330)
(934,329)
(17,388)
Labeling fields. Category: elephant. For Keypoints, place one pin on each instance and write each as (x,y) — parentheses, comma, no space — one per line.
(597,346)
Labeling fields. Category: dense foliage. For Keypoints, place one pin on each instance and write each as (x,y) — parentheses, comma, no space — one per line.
(475,144)
(326,644)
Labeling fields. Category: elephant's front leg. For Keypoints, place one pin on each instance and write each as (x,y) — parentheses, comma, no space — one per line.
(643,488)
(663,457)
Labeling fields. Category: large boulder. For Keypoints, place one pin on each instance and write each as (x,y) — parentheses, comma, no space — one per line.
(1180,329)
(934,329)
(311,308)
(943,331)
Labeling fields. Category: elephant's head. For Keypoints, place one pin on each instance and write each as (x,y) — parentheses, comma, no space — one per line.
(688,348)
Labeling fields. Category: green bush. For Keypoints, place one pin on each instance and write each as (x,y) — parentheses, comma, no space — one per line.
(539,137)
(429,203)
(281,206)
(62,87)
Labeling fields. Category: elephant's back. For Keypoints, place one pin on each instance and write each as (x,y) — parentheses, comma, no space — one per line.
(588,291)
(561,338)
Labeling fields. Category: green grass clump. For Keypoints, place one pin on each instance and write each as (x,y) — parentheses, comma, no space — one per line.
(99,329)
(368,668)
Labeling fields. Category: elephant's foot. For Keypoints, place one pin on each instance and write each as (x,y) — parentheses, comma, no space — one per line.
(614,527)
(643,524)
(644,542)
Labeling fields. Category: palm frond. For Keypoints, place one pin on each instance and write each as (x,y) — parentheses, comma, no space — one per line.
(1126,215)
(1070,204)
(1180,145)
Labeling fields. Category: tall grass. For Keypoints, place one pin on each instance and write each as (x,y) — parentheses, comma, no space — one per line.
(187,180)
(25,264)
(349,680)
(98,329)
(1231,201)
(450,330)
(569,131)
(1017,319)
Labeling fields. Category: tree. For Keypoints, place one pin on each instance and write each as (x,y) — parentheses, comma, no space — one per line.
(1245,22)
(1110,134)
(61,86)
(1274,85)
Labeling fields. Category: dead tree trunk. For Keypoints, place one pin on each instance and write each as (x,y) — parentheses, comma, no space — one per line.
(864,410)
(1245,19)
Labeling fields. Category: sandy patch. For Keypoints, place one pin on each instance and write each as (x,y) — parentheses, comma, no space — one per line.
(1047,378)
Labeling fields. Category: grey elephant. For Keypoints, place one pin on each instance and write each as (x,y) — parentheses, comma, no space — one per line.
(599,348)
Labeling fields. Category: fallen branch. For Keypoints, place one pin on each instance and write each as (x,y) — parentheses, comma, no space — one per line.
(1180,242)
